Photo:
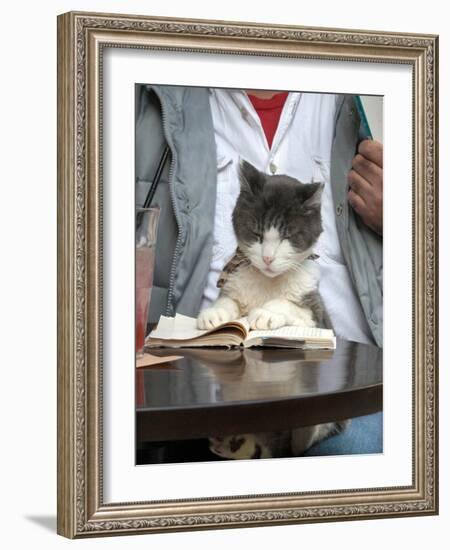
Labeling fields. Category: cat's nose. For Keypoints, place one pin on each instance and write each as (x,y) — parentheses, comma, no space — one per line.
(267,259)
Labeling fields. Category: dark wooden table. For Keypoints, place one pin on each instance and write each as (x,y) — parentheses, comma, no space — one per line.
(223,392)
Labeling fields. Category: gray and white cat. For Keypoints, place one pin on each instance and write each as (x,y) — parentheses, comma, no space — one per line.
(277,222)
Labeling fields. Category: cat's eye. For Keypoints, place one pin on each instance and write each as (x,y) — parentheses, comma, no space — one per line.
(257,235)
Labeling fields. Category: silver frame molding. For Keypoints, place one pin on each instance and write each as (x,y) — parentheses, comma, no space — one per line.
(81,37)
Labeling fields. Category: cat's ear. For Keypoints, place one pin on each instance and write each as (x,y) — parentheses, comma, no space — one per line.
(251,179)
(314,197)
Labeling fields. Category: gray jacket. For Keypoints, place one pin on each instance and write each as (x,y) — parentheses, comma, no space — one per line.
(181,118)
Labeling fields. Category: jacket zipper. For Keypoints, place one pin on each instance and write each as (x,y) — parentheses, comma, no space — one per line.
(169,308)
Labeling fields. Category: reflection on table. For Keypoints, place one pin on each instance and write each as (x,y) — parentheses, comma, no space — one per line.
(220,391)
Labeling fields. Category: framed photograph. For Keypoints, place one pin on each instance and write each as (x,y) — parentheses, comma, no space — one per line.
(247,284)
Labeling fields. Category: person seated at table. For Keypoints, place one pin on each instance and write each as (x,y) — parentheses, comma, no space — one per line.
(312,137)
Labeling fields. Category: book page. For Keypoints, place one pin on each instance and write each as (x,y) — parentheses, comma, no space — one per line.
(182,327)
(292,333)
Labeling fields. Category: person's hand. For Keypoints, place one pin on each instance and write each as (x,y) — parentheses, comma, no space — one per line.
(366,184)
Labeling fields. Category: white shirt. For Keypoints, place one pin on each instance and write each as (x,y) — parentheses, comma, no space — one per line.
(301,148)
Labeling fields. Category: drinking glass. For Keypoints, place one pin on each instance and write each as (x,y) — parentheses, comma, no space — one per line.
(146,231)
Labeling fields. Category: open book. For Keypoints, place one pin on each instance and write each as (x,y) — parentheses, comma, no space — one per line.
(181,331)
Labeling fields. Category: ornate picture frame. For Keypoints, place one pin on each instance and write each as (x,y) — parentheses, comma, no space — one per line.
(82,38)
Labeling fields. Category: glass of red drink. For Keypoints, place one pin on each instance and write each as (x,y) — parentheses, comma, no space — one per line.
(146,231)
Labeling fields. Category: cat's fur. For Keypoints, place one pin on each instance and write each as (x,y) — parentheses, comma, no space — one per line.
(277,221)
(276,217)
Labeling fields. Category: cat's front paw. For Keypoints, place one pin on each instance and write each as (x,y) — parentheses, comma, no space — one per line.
(260,318)
(213,317)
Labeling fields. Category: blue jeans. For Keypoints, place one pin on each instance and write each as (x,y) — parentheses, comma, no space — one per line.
(363,436)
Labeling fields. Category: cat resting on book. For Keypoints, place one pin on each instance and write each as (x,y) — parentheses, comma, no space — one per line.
(273,281)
